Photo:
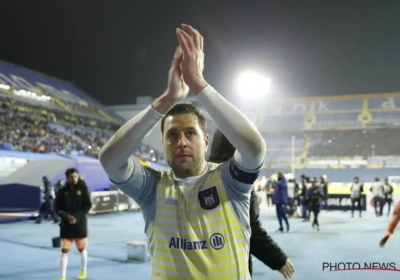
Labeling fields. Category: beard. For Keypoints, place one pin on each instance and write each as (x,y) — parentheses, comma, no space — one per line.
(184,167)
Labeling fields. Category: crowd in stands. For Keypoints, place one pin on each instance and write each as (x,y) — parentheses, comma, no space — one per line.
(32,129)
(365,143)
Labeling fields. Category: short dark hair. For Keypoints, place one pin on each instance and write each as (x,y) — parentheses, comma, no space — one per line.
(70,171)
(186,108)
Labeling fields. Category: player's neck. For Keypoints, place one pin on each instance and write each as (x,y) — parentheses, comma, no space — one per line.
(194,173)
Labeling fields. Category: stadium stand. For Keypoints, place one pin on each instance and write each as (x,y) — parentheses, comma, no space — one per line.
(46,126)
(45,119)
(364,143)
(280,149)
(333,135)
(33,129)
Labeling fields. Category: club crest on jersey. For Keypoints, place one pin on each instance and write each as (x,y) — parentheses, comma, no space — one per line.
(209,198)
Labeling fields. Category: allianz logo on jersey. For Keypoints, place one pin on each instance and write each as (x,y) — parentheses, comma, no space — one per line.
(216,242)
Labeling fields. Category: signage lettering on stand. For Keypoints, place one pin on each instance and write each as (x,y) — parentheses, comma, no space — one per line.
(343,202)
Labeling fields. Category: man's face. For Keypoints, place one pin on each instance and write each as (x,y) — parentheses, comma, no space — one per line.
(184,144)
(73,178)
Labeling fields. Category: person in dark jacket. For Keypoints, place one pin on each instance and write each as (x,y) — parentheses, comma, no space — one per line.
(48,196)
(72,205)
(292,191)
(269,191)
(315,194)
(262,246)
(388,193)
(356,189)
(378,196)
(60,184)
(280,199)
(324,187)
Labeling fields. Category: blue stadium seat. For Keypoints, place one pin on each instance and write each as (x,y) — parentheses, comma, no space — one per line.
(283,142)
(382,103)
(386,116)
(343,105)
(277,122)
(338,117)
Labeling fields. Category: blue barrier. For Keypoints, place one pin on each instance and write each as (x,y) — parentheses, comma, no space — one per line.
(19,198)
(27,155)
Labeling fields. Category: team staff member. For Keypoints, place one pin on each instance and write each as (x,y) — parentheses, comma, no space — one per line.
(388,193)
(324,188)
(197,213)
(262,246)
(280,199)
(357,189)
(48,196)
(314,194)
(303,198)
(72,205)
(378,196)
(292,191)
(269,192)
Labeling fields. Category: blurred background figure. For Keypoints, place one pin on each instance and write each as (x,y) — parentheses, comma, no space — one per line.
(356,189)
(324,187)
(280,199)
(292,194)
(305,185)
(48,196)
(388,194)
(314,197)
(60,184)
(269,191)
(378,196)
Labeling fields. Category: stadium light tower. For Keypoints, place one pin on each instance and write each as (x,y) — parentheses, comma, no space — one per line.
(254,84)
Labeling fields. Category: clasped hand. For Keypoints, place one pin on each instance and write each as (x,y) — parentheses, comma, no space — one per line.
(187,65)
(287,270)
(71,219)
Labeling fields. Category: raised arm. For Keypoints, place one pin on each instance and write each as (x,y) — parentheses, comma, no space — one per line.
(115,156)
(249,144)
(116,153)
(392,225)
(244,136)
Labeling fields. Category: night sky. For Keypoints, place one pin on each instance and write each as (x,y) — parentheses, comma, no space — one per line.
(117,50)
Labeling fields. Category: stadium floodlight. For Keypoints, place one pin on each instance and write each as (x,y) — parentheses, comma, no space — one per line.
(254,84)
